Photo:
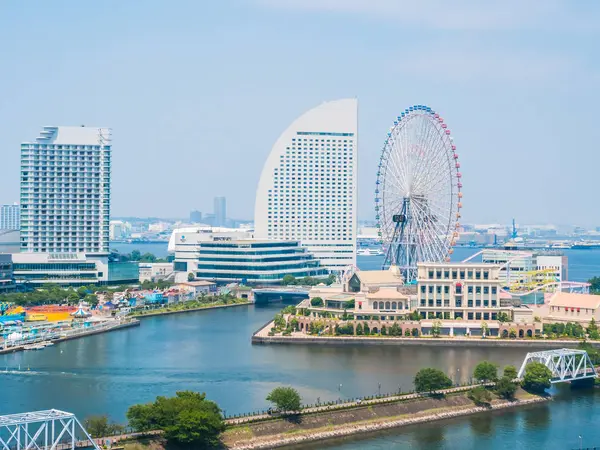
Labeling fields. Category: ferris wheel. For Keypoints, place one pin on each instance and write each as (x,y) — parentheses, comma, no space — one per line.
(418,194)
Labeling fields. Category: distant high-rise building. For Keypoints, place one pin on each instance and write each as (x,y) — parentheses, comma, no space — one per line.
(195,217)
(307,189)
(65,191)
(10,217)
(220,211)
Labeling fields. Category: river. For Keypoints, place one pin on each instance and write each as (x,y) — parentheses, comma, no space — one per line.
(210,351)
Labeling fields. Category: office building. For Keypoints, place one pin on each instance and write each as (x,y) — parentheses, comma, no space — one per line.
(119,230)
(307,189)
(195,217)
(220,210)
(10,217)
(227,255)
(65,191)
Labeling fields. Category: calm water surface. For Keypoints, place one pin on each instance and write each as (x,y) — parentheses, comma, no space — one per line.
(210,351)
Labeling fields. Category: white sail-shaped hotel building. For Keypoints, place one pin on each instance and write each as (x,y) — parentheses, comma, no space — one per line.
(307,189)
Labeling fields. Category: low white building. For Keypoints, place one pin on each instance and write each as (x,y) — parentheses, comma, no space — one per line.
(155,271)
(198,288)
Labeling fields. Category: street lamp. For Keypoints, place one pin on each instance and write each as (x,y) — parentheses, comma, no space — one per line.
(580,442)
(379,389)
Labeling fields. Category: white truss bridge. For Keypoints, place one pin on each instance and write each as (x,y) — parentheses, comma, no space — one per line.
(565,364)
(43,430)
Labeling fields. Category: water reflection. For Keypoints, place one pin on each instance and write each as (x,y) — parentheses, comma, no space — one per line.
(482,425)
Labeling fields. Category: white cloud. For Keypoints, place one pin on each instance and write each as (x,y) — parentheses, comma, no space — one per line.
(460,14)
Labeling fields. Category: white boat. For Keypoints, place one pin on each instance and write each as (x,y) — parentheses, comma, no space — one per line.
(369,252)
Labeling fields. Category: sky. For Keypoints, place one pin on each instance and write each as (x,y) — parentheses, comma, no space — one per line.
(197,92)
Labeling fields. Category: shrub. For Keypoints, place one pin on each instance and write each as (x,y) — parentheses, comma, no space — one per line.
(506,388)
(480,396)
(316,302)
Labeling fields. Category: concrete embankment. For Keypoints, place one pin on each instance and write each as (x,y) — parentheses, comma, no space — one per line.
(83,333)
(165,313)
(262,337)
(336,430)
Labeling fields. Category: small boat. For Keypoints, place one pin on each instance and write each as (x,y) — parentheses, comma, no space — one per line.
(46,343)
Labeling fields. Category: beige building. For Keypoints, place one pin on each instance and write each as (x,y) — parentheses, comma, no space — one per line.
(567,307)
(155,271)
(461,298)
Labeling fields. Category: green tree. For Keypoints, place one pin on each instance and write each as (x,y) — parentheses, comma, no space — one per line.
(537,378)
(285,398)
(512,333)
(486,371)
(288,280)
(503,317)
(406,332)
(510,372)
(592,328)
(480,396)
(330,279)
(592,352)
(135,255)
(279,321)
(430,380)
(414,316)
(436,328)
(316,301)
(91,299)
(359,330)
(99,426)
(485,329)
(594,285)
(191,276)
(506,388)
(188,419)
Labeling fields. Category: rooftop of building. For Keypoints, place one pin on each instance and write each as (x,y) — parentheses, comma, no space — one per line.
(571,300)
(386,293)
(197,283)
(457,265)
(379,276)
(78,135)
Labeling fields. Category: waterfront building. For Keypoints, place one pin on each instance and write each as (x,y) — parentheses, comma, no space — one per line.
(65,191)
(571,307)
(10,217)
(229,255)
(307,189)
(195,217)
(155,271)
(461,298)
(7,282)
(220,211)
(198,287)
(71,269)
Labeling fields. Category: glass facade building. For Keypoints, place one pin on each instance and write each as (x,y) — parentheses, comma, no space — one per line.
(10,217)
(248,261)
(65,191)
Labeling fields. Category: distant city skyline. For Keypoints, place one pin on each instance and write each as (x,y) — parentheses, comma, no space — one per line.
(516,81)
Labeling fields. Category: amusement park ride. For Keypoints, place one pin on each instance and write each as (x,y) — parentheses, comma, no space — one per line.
(418,191)
(418,202)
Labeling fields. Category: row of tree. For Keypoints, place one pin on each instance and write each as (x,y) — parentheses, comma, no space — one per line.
(291,280)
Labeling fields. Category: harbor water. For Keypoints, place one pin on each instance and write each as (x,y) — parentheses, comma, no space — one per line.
(210,351)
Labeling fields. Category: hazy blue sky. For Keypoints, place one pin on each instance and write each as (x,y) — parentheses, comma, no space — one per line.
(197,92)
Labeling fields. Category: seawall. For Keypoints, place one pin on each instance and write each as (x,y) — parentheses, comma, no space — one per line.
(438,342)
(342,430)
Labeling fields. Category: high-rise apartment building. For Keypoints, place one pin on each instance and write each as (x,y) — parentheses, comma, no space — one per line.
(307,189)
(65,191)
(10,217)
(220,212)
